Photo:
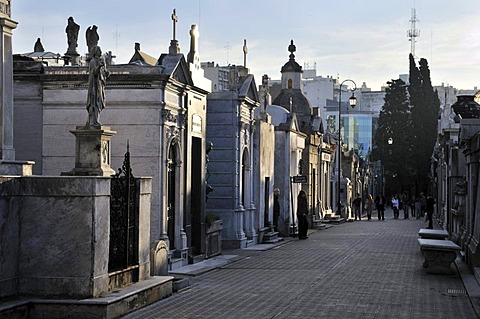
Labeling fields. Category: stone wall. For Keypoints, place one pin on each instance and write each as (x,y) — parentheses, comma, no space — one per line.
(55,235)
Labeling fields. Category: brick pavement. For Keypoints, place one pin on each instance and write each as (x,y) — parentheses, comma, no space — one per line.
(363,269)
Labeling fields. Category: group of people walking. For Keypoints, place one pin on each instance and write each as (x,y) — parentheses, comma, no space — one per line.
(410,205)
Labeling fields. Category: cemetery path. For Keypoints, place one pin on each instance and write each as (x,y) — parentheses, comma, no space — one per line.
(362,269)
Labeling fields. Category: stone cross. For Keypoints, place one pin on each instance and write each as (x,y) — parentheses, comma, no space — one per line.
(193,56)
(245,51)
(175,20)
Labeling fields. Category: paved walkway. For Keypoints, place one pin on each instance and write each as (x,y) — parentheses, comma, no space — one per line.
(362,269)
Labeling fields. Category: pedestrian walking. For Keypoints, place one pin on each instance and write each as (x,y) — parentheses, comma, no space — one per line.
(412,205)
(395,207)
(430,204)
(302,211)
(357,206)
(418,208)
(369,206)
(380,202)
(423,203)
(405,205)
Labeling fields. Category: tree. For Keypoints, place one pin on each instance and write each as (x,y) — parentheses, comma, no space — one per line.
(394,123)
(425,106)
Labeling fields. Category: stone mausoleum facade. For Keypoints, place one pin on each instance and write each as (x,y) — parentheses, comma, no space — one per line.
(159,110)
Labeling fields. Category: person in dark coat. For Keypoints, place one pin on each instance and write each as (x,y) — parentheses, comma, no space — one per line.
(302,212)
(357,206)
(380,202)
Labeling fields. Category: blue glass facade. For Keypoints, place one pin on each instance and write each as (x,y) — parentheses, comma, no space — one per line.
(357,132)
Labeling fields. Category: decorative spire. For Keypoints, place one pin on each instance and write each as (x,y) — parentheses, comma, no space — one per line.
(292,48)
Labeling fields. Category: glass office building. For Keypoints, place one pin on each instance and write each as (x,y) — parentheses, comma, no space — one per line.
(357,129)
(357,132)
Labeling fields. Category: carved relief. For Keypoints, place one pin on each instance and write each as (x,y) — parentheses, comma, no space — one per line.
(184,119)
(168,116)
(246,133)
(106,152)
(171,132)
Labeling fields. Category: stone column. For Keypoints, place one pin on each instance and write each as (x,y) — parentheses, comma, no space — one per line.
(7,151)
(8,164)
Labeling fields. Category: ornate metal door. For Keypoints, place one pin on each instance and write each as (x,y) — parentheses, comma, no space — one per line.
(123,219)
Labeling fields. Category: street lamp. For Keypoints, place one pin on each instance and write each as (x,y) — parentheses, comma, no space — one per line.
(352,101)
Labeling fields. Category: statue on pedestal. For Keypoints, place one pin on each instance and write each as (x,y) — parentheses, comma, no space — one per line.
(72,30)
(92,37)
(97,77)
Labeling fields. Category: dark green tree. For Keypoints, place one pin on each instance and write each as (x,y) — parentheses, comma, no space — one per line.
(394,125)
(425,106)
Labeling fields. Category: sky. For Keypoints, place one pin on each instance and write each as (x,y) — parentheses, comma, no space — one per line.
(362,40)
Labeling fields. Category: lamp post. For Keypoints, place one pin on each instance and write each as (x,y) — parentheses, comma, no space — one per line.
(352,101)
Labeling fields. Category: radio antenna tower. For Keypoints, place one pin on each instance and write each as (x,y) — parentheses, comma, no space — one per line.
(413,33)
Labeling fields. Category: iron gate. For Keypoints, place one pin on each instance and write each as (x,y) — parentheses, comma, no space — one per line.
(123,219)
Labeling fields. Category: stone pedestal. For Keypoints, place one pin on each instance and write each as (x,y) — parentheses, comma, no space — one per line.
(71,58)
(92,151)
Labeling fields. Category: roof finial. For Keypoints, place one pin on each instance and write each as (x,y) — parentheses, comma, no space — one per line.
(292,48)
(245,51)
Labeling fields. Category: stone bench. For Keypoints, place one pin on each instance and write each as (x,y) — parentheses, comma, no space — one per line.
(433,233)
(438,255)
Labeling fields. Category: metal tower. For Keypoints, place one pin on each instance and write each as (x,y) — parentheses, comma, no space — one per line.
(413,33)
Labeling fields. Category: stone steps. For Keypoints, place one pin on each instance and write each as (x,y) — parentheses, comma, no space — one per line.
(334,219)
(271,238)
(112,305)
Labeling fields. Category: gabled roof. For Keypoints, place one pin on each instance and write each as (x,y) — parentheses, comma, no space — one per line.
(248,88)
(176,67)
(317,125)
(142,58)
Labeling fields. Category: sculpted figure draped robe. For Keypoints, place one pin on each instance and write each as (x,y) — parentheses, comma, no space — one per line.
(97,78)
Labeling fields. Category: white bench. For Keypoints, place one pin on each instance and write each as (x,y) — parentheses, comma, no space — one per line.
(433,233)
(438,255)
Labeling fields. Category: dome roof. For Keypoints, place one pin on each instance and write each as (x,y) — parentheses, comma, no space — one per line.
(278,114)
(291,66)
(300,103)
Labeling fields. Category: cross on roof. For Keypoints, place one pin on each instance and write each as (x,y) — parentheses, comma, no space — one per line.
(175,20)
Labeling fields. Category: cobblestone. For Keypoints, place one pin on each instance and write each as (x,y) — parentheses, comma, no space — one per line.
(362,269)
